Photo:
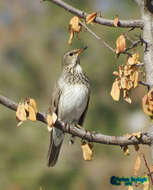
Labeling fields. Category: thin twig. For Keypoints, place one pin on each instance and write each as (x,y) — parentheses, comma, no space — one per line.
(97,37)
(82,133)
(149,173)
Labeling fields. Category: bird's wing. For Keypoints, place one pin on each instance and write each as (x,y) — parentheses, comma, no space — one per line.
(56,135)
(82,118)
(55,99)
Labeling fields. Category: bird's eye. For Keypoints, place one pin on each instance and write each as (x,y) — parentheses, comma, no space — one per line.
(71,54)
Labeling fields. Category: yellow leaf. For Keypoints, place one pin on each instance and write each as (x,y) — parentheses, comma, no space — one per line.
(91,17)
(120,44)
(116,21)
(74,24)
(87,150)
(32,113)
(33,103)
(115,91)
(71,38)
(21,113)
(137,165)
(51,119)
(145,105)
(123,82)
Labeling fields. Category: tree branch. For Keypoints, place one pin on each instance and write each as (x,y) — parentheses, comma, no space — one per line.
(146,138)
(99,20)
(97,37)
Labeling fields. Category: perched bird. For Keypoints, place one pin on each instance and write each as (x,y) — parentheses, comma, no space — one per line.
(69,100)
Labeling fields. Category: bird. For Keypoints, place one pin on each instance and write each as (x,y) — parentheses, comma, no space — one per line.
(70,100)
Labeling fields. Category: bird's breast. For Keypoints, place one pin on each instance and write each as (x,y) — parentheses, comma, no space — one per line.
(72,102)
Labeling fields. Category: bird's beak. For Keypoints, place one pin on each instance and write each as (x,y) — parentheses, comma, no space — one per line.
(81,50)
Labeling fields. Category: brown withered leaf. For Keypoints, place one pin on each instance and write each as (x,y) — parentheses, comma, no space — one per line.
(33,103)
(116,21)
(73,27)
(121,70)
(124,82)
(31,113)
(74,24)
(137,135)
(115,73)
(136,147)
(126,97)
(126,150)
(145,105)
(134,59)
(137,165)
(51,119)
(71,38)
(21,113)
(115,91)
(120,44)
(127,70)
(91,17)
(87,150)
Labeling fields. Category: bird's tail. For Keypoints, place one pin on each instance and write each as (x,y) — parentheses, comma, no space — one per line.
(56,139)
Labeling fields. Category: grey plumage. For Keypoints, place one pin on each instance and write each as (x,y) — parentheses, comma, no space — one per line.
(69,100)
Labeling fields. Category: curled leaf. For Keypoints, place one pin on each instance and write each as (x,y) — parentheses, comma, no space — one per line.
(120,44)
(73,27)
(91,17)
(51,119)
(87,150)
(116,21)
(115,91)
(21,113)
(74,24)
(126,150)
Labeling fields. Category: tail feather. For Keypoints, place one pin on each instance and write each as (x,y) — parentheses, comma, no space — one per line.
(56,140)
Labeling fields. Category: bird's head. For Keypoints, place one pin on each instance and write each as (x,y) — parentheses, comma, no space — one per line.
(72,58)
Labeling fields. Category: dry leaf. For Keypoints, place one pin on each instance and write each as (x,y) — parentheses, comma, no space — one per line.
(134,59)
(136,147)
(124,82)
(33,103)
(128,100)
(145,105)
(91,17)
(120,44)
(73,27)
(87,150)
(51,119)
(137,165)
(126,150)
(115,73)
(115,91)
(116,21)
(74,24)
(21,113)
(31,113)
(71,38)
